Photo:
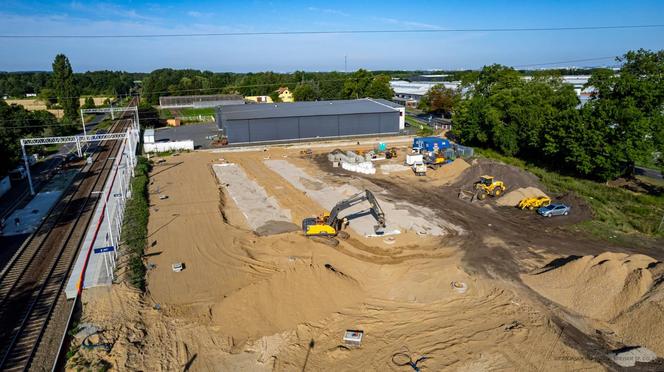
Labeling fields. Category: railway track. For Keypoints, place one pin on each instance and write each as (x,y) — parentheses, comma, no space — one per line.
(32,300)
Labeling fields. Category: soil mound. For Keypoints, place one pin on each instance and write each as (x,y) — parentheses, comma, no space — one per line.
(450,172)
(600,287)
(513,177)
(513,197)
(302,294)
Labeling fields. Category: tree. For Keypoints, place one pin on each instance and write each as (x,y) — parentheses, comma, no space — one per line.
(439,100)
(65,87)
(307,91)
(89,103)
(356,85)
(380,88)
(541,119)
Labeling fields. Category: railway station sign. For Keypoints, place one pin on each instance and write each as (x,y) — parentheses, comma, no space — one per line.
(104,249)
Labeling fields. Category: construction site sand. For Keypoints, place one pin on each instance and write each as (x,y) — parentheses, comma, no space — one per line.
(623,292)
(261,211)
(600,287)
(297,295)
(398,216)
(400,297)
(512,198)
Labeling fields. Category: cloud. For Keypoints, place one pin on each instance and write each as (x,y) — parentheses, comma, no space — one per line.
(197,14)
(328,11)
(408,24)
(108,10)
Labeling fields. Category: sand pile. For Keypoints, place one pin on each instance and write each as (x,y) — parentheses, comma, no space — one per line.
(302,294)
(600,287)
(512,198)
(455,168)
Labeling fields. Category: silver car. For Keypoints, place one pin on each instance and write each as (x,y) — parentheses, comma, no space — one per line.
(556,209)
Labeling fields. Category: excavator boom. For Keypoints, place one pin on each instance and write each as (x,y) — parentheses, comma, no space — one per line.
(330,225)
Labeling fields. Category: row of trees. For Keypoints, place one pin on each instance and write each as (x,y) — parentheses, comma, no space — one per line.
(16,123)
(541,120)
(94,83)
(306,86)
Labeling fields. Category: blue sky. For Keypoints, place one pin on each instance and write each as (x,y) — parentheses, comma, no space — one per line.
(320,52)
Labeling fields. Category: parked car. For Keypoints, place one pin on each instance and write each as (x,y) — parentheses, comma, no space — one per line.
(556,209)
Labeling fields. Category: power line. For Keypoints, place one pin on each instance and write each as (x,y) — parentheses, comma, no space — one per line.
(320,32)
(568,61)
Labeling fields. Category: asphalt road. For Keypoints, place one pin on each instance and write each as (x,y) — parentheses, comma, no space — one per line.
(199,133)
(647,172)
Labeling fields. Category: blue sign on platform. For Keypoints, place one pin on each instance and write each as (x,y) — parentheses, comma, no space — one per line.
(104,249)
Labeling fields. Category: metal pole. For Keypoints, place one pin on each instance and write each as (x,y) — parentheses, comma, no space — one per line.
(27,168)
(110,225)
(112,275)
(83,121)
(108,273)
(112,114)
(78,147)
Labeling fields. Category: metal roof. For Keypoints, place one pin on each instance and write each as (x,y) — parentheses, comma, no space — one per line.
(316,108)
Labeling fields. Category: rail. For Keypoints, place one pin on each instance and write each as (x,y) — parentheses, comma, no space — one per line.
(31,286)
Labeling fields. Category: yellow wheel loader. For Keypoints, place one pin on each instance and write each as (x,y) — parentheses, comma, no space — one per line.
(330,224)
(534,203)
(488,186)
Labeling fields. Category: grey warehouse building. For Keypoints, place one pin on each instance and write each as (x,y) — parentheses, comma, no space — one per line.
(309,120)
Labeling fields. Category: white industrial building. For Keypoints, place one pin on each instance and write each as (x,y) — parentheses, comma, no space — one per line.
(409,93)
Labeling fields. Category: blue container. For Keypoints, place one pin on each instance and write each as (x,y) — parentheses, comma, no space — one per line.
(431,143)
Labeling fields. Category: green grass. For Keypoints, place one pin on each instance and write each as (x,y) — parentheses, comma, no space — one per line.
(209,111)
(618,213)
(135,231)
(423,129)
(165,114)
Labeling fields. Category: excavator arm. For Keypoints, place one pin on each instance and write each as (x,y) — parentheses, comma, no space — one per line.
(335,222)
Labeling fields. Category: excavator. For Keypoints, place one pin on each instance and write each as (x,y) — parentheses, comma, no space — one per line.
(330,224)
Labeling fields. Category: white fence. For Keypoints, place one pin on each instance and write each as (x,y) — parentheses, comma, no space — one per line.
(168,146)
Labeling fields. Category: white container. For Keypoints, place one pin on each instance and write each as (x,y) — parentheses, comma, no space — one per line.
(414,158)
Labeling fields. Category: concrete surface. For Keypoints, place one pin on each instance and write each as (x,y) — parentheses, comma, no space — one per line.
(261,211)
(399,216)
(194,132)
(104,230)
(26,220)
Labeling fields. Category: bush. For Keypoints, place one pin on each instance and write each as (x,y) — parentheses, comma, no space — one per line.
(135,231)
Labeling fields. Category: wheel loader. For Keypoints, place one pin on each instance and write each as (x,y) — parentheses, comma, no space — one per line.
(488,186)
(330,224)
(534,202)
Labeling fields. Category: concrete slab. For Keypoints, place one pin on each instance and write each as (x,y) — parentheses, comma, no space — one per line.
(628,356)
(26,220)
(261,211)
(199,133)
(104,230)
(399,216)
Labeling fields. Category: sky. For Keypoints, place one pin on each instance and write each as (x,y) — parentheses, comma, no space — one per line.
(282,53)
